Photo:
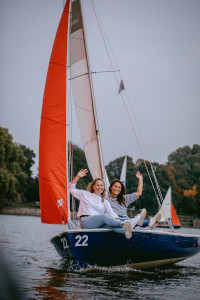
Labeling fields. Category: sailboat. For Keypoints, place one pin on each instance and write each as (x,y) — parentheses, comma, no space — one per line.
(86,248)
(168,211)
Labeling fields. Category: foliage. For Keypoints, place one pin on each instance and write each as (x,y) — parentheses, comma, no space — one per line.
(31,192)
(186,171)
(15,173)
(79,162)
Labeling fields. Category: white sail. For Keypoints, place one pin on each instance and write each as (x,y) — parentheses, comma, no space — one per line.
(83,95)
(123,172)
(166,206)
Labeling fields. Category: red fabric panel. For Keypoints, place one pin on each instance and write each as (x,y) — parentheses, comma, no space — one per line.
(175,219)
(52,147)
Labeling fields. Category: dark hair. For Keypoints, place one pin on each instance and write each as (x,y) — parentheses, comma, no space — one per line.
(91,190)
(120,197)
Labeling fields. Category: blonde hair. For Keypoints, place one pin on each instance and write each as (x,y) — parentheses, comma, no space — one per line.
(91,190)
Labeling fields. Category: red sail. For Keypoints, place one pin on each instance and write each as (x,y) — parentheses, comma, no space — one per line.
(52,147)
(175,219)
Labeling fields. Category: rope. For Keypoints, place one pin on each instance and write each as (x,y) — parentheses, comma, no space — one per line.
(101,28)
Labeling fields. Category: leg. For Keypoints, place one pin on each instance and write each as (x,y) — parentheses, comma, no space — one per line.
(152,223)
(105,221)
(98,220)
(115,229)
(138,219)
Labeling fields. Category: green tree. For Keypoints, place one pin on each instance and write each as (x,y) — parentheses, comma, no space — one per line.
(31,192)
(29,162)
(185,169)
(79,162)
(8,186)
(16,161)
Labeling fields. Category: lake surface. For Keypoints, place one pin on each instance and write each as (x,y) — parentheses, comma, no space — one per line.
(30,258)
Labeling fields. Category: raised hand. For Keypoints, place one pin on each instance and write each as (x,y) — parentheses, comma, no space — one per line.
(139,175)
(82,173)
(140,184)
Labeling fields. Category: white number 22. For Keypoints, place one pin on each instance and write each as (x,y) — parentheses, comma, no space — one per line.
(81,240)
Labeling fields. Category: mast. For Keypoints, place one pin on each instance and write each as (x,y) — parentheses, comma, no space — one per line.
(67,139)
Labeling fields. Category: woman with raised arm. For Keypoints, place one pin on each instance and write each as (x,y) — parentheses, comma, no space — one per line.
(94,210)
(120,201)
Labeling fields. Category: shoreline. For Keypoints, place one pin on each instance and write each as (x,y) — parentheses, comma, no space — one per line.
(25,211)
(31,211)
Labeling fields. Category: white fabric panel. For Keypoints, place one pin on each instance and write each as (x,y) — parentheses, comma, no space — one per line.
(166,206)
(123,172)
(83,102)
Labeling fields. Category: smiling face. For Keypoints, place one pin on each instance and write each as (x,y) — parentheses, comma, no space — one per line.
(98,187)
(115,189)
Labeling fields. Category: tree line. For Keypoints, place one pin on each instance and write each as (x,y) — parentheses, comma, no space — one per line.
(181,172)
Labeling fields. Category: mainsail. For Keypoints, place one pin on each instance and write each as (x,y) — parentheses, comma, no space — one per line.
(52,147)
(83,94)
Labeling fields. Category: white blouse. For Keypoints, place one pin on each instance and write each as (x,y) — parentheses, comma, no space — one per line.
(91,203)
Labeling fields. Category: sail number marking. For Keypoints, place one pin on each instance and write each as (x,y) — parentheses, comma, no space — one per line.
(81,240)
(64,242)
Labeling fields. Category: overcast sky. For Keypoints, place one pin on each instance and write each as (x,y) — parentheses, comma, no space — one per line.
(157,46)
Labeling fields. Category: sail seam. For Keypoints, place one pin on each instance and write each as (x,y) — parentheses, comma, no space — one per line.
(75,38)
(52,181)
(83,108)
(54,121)
(54,63)
(89,142)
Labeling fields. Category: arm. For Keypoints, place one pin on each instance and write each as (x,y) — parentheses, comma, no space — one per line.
(80,174)
(109,210)
(72,187)
(140,184)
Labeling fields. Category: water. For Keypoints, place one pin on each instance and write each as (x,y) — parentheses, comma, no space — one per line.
(32,260)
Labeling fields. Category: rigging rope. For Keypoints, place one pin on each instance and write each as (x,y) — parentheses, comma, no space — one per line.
(102,31)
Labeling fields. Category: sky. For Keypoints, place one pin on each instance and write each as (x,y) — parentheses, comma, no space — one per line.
(157,47)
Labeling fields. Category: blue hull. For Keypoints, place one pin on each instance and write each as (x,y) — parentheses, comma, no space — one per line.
(145,249)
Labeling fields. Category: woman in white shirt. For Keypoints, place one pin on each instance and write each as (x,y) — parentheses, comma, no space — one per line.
(95,211)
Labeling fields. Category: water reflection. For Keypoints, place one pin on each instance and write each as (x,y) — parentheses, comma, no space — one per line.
(50,286)
(112,283)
